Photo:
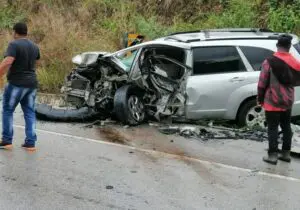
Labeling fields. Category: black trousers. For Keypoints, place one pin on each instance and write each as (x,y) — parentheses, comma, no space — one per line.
(274,119)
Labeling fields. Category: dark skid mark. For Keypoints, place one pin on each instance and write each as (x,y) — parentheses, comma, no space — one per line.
(113,135)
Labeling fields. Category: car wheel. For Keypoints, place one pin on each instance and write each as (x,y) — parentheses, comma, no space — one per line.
(251,115)
(129,106)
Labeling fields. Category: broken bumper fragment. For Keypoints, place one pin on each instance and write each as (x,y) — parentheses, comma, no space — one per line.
(47,112)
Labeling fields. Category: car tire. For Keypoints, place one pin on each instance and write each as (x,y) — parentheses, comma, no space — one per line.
(251,115)
(129,106)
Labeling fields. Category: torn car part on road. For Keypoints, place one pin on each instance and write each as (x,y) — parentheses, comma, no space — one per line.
(47,112)
(205,133)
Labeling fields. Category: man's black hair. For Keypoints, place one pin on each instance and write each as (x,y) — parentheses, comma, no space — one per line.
(285,41)
(20,28)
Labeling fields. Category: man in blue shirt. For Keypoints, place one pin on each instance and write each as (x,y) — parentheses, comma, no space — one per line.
(20,61)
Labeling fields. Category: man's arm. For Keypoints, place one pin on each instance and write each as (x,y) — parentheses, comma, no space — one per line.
(5,64)
(37,61)
(263,83)
(9,58)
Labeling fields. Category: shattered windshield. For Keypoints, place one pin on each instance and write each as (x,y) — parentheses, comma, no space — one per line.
(127,58)
(297,47)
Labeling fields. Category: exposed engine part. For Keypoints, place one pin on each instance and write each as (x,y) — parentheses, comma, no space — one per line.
(98,92)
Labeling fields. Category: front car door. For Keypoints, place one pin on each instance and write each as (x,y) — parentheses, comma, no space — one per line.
(161,70)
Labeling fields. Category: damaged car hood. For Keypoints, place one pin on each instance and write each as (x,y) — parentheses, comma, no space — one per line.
(87,58)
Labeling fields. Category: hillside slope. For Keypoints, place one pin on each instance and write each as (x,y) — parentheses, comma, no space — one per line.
(63,28)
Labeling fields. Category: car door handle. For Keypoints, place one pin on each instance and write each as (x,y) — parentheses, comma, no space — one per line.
(237,79)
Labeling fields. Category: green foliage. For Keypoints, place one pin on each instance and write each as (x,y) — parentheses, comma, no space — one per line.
(285,17)
(151,27)
(64,28)
(240,13)
(51,77)
(8,17)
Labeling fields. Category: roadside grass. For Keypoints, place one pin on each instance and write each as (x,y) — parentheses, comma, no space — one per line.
(64,28)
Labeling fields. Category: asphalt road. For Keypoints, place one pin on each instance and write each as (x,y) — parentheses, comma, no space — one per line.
(139,168)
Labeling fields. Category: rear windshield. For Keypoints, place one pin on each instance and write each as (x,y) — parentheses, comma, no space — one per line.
(297,46)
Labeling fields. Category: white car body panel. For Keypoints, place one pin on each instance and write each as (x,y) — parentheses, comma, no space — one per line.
(214,96)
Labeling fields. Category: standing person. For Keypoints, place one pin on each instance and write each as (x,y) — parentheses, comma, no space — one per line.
(276,96)
(20,60)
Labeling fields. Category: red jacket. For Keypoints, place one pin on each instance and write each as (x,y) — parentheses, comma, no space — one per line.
(279,75)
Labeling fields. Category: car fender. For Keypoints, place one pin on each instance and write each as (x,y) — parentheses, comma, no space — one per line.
(237,97)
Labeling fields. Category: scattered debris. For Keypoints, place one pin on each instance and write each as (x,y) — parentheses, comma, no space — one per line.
(221,133)
(154,124)
(91,125)
(109,187)
(107,122)
(169,130)
(100,123)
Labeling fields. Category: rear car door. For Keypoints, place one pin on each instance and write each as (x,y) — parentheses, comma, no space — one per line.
(219,72)
(296,108)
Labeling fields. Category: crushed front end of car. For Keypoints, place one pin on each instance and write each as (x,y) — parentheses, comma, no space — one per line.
(132,85)
(89,89)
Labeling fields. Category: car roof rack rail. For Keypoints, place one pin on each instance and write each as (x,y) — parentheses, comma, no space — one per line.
(206,31)
(174,39)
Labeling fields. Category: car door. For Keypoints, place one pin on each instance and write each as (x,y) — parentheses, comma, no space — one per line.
(295,51)
(219,72)
(161,69)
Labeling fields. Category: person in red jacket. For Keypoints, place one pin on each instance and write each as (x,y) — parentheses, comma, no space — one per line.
(280,73)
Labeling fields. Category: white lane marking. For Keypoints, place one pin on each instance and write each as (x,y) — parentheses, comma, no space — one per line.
(205,162)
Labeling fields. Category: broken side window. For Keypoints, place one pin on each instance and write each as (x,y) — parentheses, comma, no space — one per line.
(256,56)
(168,68)
(213,60)
(172,52)
(127,58)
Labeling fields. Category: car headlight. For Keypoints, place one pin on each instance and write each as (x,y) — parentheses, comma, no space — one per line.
(77,59)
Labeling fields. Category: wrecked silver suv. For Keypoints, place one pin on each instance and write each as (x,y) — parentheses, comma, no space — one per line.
(192,75)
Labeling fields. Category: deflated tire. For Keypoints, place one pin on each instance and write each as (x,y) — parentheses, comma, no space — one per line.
(129,106)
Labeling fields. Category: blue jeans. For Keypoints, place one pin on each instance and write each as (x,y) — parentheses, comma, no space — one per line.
(13,95)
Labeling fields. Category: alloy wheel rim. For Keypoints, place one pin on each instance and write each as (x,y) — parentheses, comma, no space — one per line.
(256,117)
(136,108)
